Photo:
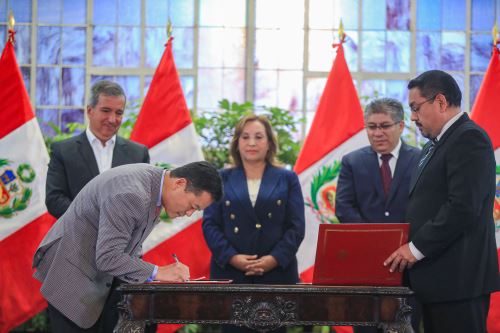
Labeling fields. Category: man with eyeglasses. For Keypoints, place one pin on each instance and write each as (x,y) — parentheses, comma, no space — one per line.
(374,181)
(451,257)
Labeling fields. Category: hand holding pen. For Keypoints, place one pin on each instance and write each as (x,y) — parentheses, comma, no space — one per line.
(176,272)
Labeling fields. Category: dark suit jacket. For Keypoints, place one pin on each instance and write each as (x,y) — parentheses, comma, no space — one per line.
(275,226)
(360,195)
(451,217)
(72,165)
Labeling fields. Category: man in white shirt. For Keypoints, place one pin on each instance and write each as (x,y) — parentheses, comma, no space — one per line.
(75,161)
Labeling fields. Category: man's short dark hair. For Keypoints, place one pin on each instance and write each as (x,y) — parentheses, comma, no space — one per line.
(201,176)
(107,88)
(435,82)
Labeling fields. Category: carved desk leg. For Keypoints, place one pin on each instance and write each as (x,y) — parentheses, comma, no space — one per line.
(125,323)
(403,320)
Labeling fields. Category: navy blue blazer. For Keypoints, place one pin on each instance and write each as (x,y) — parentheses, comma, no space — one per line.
(360,194)
(275,226)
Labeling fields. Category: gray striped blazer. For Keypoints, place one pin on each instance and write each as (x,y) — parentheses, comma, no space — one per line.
(98,238)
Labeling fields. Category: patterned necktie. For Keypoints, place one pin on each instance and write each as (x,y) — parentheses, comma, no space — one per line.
(427,154)
(385,172)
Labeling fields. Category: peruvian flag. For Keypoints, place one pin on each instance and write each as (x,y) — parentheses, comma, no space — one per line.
(485,113)
(23,216)
(165,126)
(337,129)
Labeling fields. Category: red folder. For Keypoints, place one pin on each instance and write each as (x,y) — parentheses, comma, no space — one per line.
(353,254)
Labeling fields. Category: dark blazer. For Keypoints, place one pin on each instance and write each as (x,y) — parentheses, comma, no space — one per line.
(451,217)
(275,226)
(360,195)
(72,165)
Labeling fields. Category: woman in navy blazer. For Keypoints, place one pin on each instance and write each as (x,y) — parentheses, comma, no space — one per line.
(255,231)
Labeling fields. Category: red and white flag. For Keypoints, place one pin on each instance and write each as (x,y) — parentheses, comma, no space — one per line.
(337,129)
(23,216)
(164,125)
(485,113)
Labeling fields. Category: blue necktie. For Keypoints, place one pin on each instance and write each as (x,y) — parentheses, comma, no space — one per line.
(428,153)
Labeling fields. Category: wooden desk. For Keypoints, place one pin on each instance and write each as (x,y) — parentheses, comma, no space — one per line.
(263,307)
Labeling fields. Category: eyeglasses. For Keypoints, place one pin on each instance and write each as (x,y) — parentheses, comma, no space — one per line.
(383,127)
(416,106)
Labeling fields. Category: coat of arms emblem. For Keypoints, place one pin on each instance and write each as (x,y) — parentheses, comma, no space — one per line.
(323,193)
(14,191)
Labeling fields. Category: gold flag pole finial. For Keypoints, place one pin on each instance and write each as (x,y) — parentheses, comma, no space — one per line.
(341,31)
(169,29)
(494,32)
(11,21)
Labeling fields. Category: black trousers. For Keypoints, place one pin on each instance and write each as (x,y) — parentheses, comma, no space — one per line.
(464,316)
(105,324)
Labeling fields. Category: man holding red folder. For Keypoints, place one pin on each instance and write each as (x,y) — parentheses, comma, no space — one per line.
(451,256)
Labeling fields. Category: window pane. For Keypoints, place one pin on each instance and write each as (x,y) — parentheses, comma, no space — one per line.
(21,10)
(209,88)
(475,84)
(129,50)
(265,43)
(459,77)
(45,117)
(227,13)
(49,45)
(290,90)
(426,21)
(374,15)
(483,15)
(452,51)
(187,83)
(267,17)
(75,11)
(182,13)
(372,89)
(47,86)
(315,88)
(290,48)
(183,47)
(266,83)
(71,116)
(428,50)
(321,52)
(480,51)
(454,13)
(373,57)
(73,84)
(398,51)
(130,85)
(398,14)
(129,12)
(396,89)
(105,13)
(22,46)
(157,12)
(327,14)
(3,11)
(211,45)
(26,73)
(103,50)
(73,46)
(234,48)
(233,85)
(49,11)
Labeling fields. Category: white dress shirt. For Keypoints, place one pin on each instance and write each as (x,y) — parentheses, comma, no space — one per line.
(103,154)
